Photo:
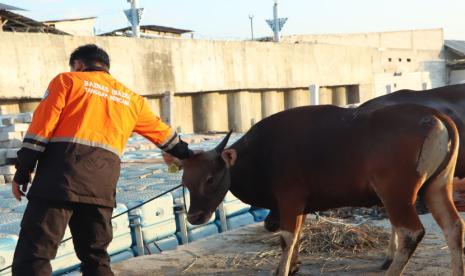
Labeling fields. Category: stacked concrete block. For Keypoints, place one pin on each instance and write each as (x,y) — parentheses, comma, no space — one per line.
(12,131)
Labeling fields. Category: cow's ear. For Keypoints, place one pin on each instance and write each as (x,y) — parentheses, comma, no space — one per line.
(229,156)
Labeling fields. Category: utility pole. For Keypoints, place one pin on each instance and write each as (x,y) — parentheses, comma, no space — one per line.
(251,24)
(134,17)
(276,22)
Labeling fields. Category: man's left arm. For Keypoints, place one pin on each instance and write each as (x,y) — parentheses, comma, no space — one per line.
(41,129)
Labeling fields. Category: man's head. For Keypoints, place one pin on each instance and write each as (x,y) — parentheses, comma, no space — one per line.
(89,55)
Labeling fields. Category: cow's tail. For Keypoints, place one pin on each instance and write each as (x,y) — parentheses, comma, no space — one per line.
(446,169)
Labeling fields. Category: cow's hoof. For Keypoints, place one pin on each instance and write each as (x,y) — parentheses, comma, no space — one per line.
(386,264)
(271,224)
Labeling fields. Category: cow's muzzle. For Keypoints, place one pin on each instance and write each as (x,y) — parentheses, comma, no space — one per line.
(198,217)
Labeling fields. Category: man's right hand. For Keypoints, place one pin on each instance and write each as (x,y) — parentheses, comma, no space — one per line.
(173,163)
(168,158)
(16,190)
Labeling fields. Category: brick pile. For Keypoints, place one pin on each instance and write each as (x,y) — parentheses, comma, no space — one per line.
(12,132)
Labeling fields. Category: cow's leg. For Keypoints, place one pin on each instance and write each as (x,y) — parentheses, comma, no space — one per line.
(408,228)
(439,200)
(400,208)
(391,250)
(291,218)
(295,263)
(271,222)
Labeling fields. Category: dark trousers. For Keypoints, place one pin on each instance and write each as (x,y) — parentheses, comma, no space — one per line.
(43,227)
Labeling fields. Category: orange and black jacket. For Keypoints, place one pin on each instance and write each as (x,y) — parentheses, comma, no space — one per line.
(78,133)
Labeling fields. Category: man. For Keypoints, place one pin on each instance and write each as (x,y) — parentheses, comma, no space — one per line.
(76,138)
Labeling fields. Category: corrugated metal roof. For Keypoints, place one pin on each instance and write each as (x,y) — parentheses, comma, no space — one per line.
(9,8)
(69,19)
(457,46)
(18,23)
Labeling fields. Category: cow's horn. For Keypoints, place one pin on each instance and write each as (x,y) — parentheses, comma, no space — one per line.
(223,143)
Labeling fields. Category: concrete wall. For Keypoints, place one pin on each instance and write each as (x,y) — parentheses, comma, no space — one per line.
(437,72)
(411,59)
(457,76)
(219,85)
(429,39)
(387,83)
(151,67)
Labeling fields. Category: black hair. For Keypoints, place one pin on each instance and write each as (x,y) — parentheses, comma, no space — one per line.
(90,55)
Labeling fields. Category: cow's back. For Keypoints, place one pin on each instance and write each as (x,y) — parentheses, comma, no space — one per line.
(281,148)
(450,100)
(327,153)
(313,145)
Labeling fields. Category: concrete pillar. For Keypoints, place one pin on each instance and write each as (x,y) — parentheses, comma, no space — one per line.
(296,97)
(366,92)
(272,102)
(325,95)
(314,91)
(353,94)
(339,96)
(28,106)
(155,105)
(210,112)
(9,108)
(255,99)
(167,107)
(239,107)
(184,117)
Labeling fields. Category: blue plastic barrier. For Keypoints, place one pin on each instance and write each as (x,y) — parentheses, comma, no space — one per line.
(121,232)
(168,243)
(65,263)
(156,217)
(178,200)
(124,255)
(199,232)
(7,248)
(238,221)
(259,214)
(233,206)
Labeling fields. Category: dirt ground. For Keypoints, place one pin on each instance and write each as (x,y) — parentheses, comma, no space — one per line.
(244,252)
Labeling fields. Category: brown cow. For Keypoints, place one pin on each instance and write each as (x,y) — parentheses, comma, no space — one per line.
(449,100)
(320,157)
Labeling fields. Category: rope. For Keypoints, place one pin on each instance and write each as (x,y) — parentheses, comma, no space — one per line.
(147,248)
(157,246)
(122,213)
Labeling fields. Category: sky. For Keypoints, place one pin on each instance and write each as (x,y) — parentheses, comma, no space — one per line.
(229,19)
